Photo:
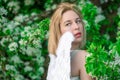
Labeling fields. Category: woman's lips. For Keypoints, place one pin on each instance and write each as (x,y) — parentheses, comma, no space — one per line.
(78,35)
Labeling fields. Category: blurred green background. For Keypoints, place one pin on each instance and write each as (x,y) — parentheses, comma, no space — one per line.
(24,26)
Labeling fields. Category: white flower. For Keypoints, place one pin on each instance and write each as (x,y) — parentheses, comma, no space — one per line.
(3,40)
(3,59)
(99,10)
(41,60)
(107,36)
(99,18)
(30,51)
(106,1)
(26,63)
(26,16)
(11,4)
(37,43)
(22,42)
(86,23)
(13,46)
(28,68)
(16,9)
(14,5)
(37,32)
(3,11)
(19,77)
(28,2)
(5,1)
(27,29)
(23,34)
(3,20)
(10,67)
(30,22)
(33,14)
(117,59)
(16,59)
(47,35)
(5,30)
(19,18)
(54,6)
(1,26)
(28,34)
(16,23)
(118,12)
(36,18)
(41,70)
(10,27)
(17,30)
(102,1)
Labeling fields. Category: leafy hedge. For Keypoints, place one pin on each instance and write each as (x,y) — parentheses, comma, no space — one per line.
(24,33)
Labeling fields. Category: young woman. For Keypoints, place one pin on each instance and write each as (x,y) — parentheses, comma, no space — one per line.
(66,38)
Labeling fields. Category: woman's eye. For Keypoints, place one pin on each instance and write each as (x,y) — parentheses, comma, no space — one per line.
(68,24)
(78,21)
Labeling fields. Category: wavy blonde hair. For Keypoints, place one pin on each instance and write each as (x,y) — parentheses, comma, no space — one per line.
(54,30)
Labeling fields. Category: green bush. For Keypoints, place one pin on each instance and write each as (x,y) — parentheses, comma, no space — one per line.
(24,33)
(103,60)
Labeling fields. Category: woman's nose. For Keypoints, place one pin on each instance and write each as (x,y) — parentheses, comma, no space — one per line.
(75,26)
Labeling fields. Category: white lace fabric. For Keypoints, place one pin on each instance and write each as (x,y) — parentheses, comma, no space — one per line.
(59,66)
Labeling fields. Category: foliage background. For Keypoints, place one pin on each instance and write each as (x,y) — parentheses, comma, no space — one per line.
(24,33)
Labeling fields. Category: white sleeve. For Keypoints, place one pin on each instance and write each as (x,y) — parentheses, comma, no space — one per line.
(59,67)
(51,66)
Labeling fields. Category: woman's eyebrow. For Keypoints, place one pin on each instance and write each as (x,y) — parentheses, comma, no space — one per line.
(78,18)
(67,21)
(70,20)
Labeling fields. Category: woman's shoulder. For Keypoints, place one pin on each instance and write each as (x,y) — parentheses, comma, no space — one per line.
(80,56)
(80,53)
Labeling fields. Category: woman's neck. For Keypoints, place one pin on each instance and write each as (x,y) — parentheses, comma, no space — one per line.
(75,46)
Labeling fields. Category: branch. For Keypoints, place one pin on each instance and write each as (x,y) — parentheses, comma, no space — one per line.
(40,16)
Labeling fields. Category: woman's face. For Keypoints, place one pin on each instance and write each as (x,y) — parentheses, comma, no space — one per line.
(71,22)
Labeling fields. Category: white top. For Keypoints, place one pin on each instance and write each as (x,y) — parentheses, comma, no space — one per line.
(75,78)
(59,66)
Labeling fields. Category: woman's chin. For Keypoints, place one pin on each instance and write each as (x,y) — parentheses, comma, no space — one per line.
(78,40)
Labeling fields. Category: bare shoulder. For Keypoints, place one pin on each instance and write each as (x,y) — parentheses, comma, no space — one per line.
(81,54)
(80,58)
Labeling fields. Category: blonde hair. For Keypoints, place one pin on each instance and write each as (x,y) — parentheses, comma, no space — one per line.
(54,31)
